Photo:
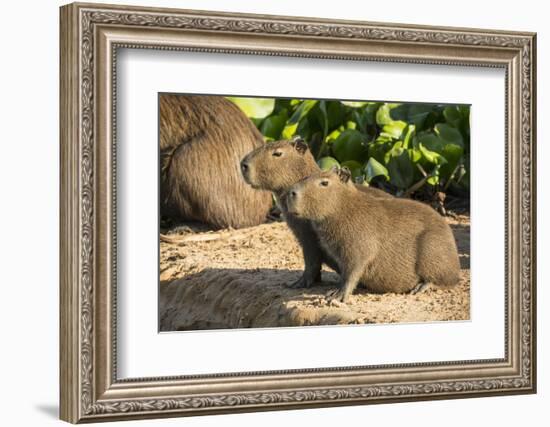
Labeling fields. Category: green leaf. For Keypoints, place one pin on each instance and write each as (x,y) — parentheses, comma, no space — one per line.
(350,146)
(432,156)
(257,108)
(370,112)
(336,114)
(394,129)
(333,135)
(433,179)
(418,113)
(325,163)
(305,128)
(401,171)
(449,134)
(273,125)
(383,116)
(415,155)
(395,151)
(374,169)
(378,150)
(289,131)
(411,129)
(354,104)
(452,115)
(453,153)
(322,117)
(431,141)
(292,124)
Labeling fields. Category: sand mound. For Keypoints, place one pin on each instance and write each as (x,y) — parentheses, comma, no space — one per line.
(237,278)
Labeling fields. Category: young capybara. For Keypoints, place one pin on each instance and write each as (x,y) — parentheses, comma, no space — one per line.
(386,245)
(276,166)
(202,139)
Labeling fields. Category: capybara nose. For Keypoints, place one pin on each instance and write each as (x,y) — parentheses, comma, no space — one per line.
(244,167)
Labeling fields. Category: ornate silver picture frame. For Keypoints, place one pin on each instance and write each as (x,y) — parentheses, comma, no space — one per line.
(91,34)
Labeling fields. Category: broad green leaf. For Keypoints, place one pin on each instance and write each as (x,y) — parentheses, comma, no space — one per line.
(433,179)
(360,118)
(333,135)
(273,125)
(378,150)
(395,151)
(383,116)
(432,156)
(394,129)
(322,117)
(354,104)
(453,153)
(305,128)
(325,163)
(350,146)
(383,138)
(336,114)
(452,115)
(370,112)
(415,154)
(408,135)
(449,134)
(399,112)
(292,125)
(418,113)
(401,171)
(431,141)
(374,169)
(289,131)
(257,108)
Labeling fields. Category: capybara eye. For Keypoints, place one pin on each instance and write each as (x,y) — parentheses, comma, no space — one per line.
(277,153)
(324,183)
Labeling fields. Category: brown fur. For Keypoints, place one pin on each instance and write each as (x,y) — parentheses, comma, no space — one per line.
(202,139)
(386,245)
(263,170)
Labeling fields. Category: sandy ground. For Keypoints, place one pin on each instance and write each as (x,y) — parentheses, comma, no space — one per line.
(237,278)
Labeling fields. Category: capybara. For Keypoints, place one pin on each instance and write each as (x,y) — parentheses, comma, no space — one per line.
(276,166)
(386,245)
(202,139)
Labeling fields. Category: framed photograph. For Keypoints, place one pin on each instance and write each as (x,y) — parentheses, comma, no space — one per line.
(267,212)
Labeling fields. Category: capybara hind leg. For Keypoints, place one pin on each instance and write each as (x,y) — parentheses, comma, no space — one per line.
(438,261)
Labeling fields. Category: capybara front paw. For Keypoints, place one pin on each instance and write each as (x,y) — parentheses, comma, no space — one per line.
(420,287)
(337,297)
(302,282)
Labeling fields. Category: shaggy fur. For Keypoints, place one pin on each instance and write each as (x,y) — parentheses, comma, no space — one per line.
(277,166)
(202,139)
(386,245)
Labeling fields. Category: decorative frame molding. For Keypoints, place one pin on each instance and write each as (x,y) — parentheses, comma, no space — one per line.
(90,36)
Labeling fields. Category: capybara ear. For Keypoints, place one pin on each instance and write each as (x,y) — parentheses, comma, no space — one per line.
(299,144)
(344,174)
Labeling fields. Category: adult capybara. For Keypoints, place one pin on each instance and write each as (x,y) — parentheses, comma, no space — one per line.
(202,139)
(386,245)
(276,166)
